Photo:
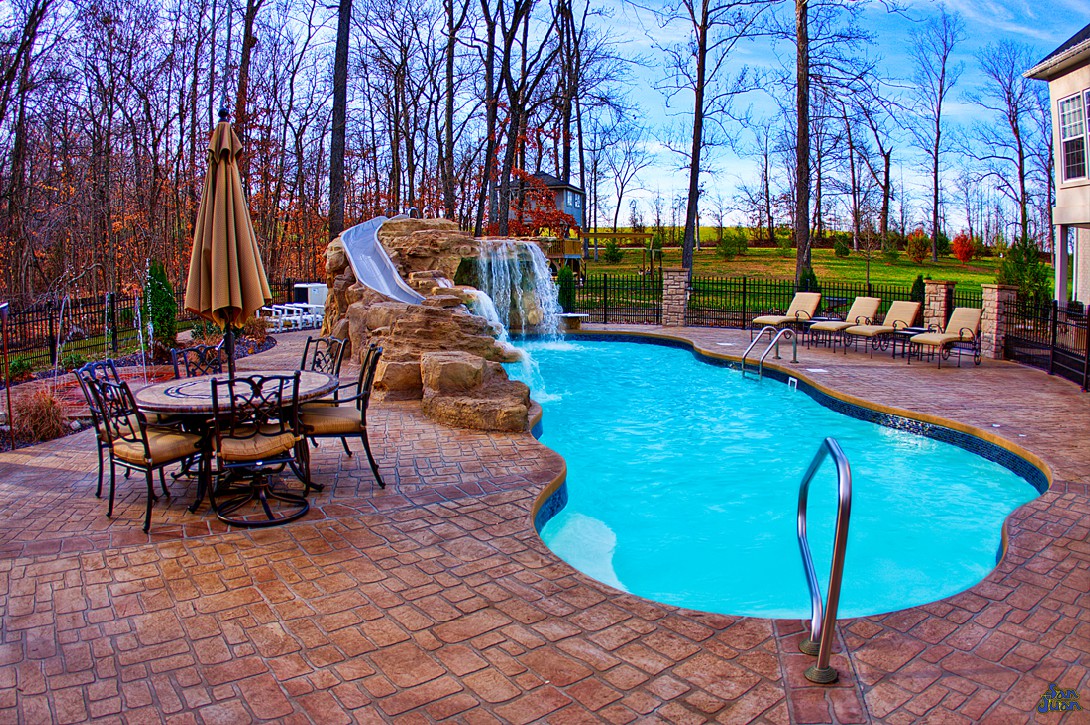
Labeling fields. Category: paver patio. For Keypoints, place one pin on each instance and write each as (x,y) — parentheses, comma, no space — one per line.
(435,598)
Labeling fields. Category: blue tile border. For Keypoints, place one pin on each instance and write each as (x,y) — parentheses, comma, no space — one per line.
(966,441)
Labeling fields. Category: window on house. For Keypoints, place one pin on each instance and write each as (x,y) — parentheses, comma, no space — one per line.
(1073,137)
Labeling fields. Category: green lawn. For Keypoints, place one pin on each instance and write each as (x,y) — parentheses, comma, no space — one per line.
(769,264)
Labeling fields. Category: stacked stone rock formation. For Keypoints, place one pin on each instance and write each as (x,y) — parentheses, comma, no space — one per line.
(427,253)
(468,391)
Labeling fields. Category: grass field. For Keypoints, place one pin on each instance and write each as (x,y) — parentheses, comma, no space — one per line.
(769,264)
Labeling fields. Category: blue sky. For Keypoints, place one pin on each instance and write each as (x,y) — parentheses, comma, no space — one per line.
(1041,25)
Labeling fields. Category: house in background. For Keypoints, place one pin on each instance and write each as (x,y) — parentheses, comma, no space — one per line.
(1067,71)
(568,197)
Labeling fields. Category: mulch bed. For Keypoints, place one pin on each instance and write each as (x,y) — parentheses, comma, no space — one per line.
(128,365)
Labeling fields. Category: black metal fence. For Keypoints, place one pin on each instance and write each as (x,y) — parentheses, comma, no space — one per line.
(91,327)
(734,301)
(1049,337)
(621,298)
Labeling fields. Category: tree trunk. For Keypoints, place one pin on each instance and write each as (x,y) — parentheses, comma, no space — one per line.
(340,106)
(802,153)
(693,203)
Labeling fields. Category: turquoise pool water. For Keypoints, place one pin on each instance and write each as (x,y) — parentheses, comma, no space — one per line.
(683,485)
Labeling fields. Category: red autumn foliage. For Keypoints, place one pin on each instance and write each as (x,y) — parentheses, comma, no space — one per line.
(917,246)
(964,248)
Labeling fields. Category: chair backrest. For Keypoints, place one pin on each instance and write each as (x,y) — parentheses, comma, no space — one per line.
(901,314)
(197,360)
(864,310)
(323,355)
(965,321)
(123,421)
(88,383)
(255,405)
(804,305)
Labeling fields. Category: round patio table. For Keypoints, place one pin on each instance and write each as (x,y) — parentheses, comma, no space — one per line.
(192,398)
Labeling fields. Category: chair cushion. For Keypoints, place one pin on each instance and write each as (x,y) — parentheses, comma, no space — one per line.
(902,312)
(164,446)
(863,307)
(870,330)
(966,322)
(331,421)
(775,320)
(936,339)
(830,326)
(267,444)
(804,303)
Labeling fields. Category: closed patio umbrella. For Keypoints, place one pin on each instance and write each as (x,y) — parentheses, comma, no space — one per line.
(227,281)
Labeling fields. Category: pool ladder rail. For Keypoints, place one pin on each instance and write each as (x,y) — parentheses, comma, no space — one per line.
(823,616)
(775,333)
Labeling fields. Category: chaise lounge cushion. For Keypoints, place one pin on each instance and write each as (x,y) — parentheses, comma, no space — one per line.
(803,307)
(864,309)
(900,316)
(964,326)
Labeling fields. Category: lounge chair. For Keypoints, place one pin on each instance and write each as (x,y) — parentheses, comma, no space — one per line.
(864,311)
(962,334)
(900,316)
(803,307)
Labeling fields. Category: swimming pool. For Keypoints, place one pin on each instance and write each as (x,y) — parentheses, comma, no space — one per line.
(683,479)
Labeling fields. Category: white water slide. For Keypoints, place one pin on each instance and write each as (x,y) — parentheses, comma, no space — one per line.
(371,264)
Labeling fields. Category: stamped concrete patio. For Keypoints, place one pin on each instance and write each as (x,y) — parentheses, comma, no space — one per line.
(435,599)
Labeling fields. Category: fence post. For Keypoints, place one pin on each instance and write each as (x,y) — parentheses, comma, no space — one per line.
(111,316)
(52,335)
(1051,338)
(675,284)
(993,324)
(1086,356)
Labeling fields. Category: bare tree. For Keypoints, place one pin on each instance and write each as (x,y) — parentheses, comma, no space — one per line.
(699,65)
(935,75)
(625,158)
(1004,146)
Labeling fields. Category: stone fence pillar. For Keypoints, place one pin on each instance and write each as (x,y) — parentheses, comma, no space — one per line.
(997,299)
(938,302)
(675,296)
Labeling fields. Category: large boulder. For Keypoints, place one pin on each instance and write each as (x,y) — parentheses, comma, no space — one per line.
(407,332)
(423,245)
(467,391)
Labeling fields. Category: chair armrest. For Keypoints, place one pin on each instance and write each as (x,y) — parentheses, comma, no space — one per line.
(802,315)
(933,328)
(862,320)
(903,325)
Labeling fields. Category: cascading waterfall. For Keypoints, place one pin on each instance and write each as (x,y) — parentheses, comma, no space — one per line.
(515,275)
(518,292)
(481,305)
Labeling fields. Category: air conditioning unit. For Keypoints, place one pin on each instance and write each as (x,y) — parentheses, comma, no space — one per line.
(311,293)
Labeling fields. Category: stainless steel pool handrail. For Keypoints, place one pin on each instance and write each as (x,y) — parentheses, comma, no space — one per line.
(752,343)
(774,334)
(823,618)
(785,332)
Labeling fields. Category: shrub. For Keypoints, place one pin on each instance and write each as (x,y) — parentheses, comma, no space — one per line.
(613,253)
(841,248)
(785,242)
(38,417)
(72,360)
(917,246)
(206,332)
(980,249)
(565,281)
(20,369)
(257,329)
(916,294)
(1023,268)
(159,307)
(808,281)
(1001,247)
(732,244)
(964,248)
(890,251)
(942,245)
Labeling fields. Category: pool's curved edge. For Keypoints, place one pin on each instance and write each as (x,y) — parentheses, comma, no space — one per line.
(554,497)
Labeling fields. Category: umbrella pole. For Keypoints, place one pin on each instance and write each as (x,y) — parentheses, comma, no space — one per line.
(229,343)
(7,372)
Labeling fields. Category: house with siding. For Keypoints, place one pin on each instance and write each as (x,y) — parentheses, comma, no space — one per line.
(1067,72)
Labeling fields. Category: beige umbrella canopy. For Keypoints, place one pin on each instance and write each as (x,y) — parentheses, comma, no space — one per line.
(227,281)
